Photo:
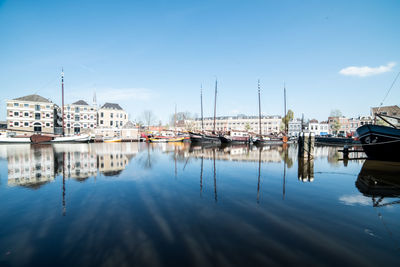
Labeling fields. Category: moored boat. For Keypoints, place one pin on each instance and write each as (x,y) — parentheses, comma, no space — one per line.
(204,138)
(14,140)
(380,142)
(235,137)
(40,138)
(84,138)
(112,140)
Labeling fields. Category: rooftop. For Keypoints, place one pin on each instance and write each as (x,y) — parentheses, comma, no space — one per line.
(33,98)
(112,106)
(81,102)
(129,125)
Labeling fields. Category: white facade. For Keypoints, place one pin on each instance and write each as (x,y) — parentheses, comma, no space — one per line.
(269,124)
(31,113)
(80,117)
(294,128)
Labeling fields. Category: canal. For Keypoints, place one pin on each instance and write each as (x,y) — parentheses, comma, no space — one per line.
(125,204)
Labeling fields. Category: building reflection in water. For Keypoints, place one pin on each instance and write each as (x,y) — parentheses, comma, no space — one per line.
(35,165)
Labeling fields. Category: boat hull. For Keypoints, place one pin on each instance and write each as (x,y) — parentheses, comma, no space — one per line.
(259,142)
(380,142)
(204,138)
(38,138)
(71,139)
(234,140)
(15,140)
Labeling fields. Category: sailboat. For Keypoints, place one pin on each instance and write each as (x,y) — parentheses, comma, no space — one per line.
(261,140)
(204,137)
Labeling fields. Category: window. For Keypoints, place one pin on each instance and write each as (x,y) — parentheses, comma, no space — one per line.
(47,124)
(47,115)
(76,117)
(16,123)
(101,122)
(26,114)
(16,105)
(120,123)
(77,109)
(84,109)
(16,113)
(68,116)
(68,125)
(68,108)
(112,115)
(111,123)
(91,117)
(85,117)
(26,124)
(48,107)
(37,116)
(101,114)
(26,105)
(85,125)
(37,107)
(91,125)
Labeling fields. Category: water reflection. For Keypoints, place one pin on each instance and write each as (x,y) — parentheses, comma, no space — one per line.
(379,181)
(176,204)
(35,165)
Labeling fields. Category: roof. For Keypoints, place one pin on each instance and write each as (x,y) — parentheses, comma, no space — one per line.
(81,102)
(112,106)
(33,98)
(129,125)
(388,109)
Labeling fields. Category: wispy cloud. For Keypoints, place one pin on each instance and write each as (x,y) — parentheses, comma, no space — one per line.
(366,71)
(352,200)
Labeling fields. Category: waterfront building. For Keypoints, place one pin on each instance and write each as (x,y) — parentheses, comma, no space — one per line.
(31,113)
(111,115)
(294,127)
(393,111)
(339,125)
(80,117)
(269,124)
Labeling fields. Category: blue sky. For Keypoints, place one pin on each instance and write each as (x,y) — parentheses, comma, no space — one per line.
(155,54)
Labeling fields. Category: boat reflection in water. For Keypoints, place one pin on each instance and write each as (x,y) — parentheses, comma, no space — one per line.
(380,180)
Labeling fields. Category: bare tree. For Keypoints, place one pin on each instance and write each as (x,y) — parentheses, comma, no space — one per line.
(148,117)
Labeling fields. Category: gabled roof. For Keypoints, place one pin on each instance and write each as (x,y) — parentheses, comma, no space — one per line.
(81,102)
(129,125)
(33,98)
(111,106)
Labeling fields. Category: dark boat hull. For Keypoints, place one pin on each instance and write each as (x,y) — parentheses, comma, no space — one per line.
(234,140)
(204,138)
(380,142)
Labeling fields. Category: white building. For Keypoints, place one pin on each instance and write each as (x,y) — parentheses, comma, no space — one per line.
(269,124)
(80,117)
(31,113)
(294,128)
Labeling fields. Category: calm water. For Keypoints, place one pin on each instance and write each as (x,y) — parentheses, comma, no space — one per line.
(171,205)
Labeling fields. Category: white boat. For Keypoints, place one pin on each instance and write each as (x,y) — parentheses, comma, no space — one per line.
(83,138)
(13,140)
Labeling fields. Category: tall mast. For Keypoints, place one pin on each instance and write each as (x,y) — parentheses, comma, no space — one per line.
(201,101)
(284,99)
(62,96)
(215,103)
(259,107)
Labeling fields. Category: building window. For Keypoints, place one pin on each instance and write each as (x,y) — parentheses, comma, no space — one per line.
(102,114)
(68,125)
(68,108)
(91,125)
(47,115)
(101,122)
(26,124)
(91,117)
(16,123)
(48,107)
(111,123)
(26,114)
(76,117)
(120,123)
(47,124)
(111,115)
(37,116)
(85,117)
(16,113)
(68,116)
(26,105)
(37,107)
(16,105)
(77,110)
(85,125)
